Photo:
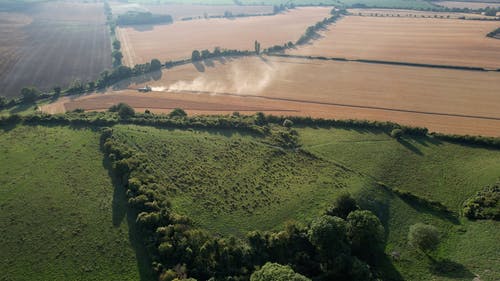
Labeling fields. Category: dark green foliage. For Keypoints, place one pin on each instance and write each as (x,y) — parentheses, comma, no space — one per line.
(276,272)
(29,94)
(424,237)
(366,234)
(134,18)
(116,44)
(177,112)
(344,204)
(3,102)
(124,110)
(287,123)
(494,33)
(155,65)
(484,205)
(257,47)
(196,56)
(117,57)
(397,133)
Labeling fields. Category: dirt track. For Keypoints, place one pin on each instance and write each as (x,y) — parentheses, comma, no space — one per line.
(418,40)
(451,101)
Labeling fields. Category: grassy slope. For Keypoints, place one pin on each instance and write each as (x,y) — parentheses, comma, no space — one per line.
(442,171)
(233,183)
(56,209)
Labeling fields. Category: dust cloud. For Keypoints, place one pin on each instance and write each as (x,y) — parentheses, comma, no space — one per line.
(238,78)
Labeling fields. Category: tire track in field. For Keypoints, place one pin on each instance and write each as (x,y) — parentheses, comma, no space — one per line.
(344,105)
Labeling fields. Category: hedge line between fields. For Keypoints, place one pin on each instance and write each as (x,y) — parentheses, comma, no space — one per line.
(254,124)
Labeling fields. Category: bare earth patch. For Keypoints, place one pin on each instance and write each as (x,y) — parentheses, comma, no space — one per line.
(178,40)
(417,40)
(450,101)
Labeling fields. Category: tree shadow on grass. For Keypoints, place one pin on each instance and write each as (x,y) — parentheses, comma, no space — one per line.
(450,269)
(120,211)
(410,146)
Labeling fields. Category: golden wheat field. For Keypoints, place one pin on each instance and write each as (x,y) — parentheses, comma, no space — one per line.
(451,101)
(416,40)
(178,40)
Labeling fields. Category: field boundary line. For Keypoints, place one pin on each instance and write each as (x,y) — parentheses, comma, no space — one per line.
(400,63)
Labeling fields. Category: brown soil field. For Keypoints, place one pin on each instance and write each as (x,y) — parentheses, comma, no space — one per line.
(417,40)
(450,101)
(140,44)
(416,14)
(470,5)
(51,44)
(181,11)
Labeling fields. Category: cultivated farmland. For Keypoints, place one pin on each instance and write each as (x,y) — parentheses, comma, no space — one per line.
(417,40)
(452,101)
(178,40)
(188,11)
(470,5)
(53,44)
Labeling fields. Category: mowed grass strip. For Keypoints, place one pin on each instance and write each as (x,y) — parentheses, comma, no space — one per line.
(58,216)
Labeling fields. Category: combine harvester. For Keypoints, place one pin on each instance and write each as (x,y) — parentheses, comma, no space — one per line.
(144,89)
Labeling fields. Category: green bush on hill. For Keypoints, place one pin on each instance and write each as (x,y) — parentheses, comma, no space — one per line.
(485,204)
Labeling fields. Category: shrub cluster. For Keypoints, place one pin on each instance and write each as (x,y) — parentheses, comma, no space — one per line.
(484,205)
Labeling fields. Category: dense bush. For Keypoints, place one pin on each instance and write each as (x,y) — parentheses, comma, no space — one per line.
(485,204)
(343,205)
(397,133)
(276,272)
(424,237)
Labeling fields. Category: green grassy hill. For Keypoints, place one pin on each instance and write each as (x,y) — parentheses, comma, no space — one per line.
(231,183)
(441,171)
(64,217)
(59,219)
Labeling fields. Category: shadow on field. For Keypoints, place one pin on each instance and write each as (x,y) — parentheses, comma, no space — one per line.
(378,201)
(450,269)
(120,211)
(144,78)
(199,66)
(410,146)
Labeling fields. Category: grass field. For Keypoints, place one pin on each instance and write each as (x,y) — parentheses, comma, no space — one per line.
(52,43)
(59,216)
(418,40)
(169,42)
(445,172)
(439,99)
(230,183)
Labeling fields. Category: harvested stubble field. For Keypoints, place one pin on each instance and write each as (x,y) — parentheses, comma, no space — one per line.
(450,101)
(416,40)
(470,5)
(52,44)
(182,11)
(177,41)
